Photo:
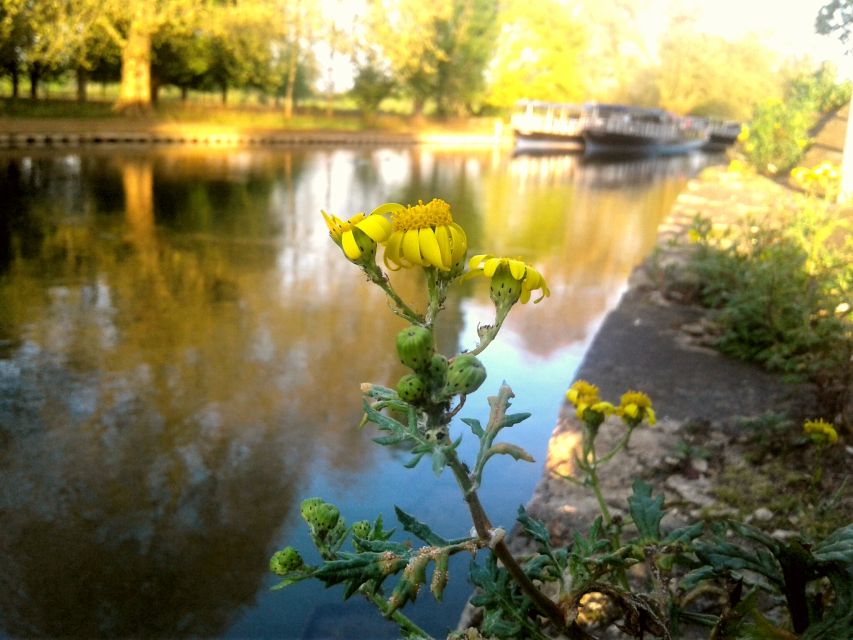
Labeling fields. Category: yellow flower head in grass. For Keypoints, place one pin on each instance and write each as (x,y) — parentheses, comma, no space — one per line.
(358,235)
(820,432)
(424,235)
(512,280)
(634,407)
(584,397)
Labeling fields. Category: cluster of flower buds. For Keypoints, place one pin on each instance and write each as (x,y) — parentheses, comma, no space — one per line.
(434,378)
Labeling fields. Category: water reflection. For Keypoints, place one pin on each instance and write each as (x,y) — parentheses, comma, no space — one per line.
(180,346)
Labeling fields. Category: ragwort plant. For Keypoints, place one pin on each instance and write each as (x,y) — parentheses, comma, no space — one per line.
(694,575)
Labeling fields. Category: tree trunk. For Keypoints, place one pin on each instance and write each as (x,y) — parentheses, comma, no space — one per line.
(184,93)
(223,92)
(16,82)
(134,94)
(155,92)
(845,193)
(82,79)
(34,82)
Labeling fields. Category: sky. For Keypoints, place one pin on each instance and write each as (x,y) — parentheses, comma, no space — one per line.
(783,25)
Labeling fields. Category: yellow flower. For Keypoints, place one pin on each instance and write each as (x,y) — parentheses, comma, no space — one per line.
(504,273)
(583,396)
(634,407)
(359,235)
(582,391)
(424,235)
(820,431)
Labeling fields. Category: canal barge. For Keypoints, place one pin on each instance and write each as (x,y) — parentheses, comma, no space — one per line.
(618,130)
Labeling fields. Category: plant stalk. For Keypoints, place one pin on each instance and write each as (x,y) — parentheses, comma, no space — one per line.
(483,526)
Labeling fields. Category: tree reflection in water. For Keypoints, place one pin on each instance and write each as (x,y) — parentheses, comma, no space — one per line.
(180,344)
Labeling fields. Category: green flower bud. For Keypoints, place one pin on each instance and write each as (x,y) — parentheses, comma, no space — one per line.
(437,371)
(326,518)
(504,290)
(309,507)
(411,387)
(415,347)
(286,561)
(465,374)
(361,528)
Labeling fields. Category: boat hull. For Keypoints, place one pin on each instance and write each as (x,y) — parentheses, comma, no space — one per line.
(537,141)
(615,143)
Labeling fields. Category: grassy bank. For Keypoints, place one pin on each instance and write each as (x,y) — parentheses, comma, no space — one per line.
(25,115)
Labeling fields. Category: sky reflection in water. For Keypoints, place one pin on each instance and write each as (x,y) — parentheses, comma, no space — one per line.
(180,351)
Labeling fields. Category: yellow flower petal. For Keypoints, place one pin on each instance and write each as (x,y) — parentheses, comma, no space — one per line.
(459,241)
(430,251)
(411,247)
(474,262)
(377,227)
(442,235)
(350,246)
(388,207)
(491,265)
(517,268)
(392,257)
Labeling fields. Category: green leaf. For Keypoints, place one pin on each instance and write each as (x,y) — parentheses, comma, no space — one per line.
(685,534)
(513,419)
(439,461)
(391,440)
(838,547)
(289,580)
(646,511)
(533,528)
(725,556)
(411,464)
(475,425)
(419,529)
(511,450)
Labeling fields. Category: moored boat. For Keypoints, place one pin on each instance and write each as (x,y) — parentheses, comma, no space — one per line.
(540,126)
(644,132)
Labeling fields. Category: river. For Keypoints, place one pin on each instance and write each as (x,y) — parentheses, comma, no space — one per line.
(181,347)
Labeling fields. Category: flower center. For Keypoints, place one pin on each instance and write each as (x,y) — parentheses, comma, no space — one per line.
(422,216)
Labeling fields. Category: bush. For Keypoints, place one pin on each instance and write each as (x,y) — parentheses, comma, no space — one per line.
(782,296)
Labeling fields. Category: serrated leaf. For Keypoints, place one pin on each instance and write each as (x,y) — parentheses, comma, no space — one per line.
(723,555)
(474,424)
(411,464)
(697,576)
(646,511)
(495,625)
(419,529)
(685,534)
(511,450)
(533,528)
(837,547)
(391,440)
(513,419)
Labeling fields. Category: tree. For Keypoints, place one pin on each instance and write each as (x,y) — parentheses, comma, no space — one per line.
(134,36)
(709,75)
(836,18)
(437,51)
(537,55)
(467,40)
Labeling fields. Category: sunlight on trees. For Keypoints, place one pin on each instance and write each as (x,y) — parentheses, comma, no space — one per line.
(450,57)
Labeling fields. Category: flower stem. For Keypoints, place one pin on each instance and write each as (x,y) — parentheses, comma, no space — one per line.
(483,526)
(402,620)
(377,277)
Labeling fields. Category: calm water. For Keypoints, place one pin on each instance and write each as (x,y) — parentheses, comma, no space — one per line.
(180,351)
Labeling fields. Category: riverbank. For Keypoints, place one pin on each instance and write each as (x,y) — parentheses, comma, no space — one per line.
(237,129)
(728,440)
